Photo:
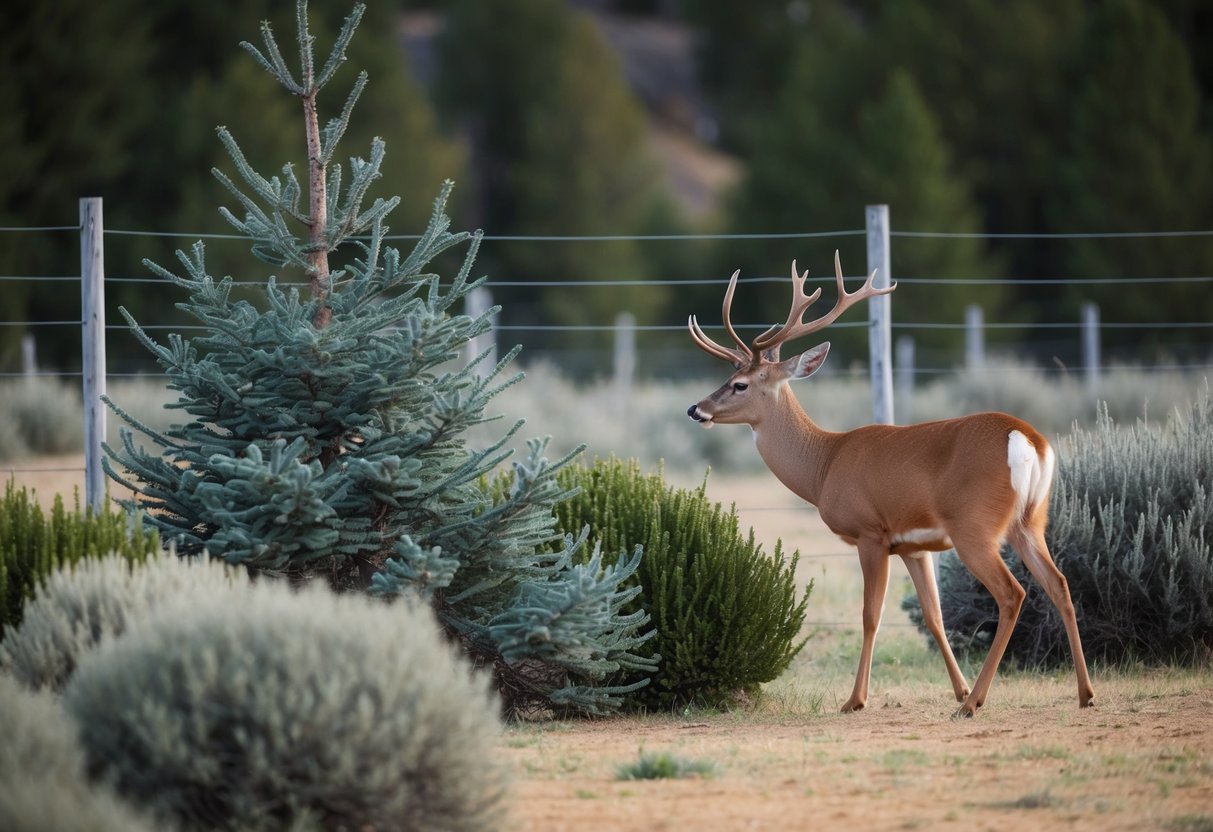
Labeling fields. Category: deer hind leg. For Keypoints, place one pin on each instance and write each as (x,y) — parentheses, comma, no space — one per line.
(874,559)
(1030,544)
(981,556)
(922,573)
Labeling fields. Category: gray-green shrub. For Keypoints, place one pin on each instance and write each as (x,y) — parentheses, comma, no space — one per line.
(263,708)
(1131,523)
(98,599)
(42,781)
(46,414)
(726,613)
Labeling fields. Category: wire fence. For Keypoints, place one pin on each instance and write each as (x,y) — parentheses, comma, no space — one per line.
(1041,331)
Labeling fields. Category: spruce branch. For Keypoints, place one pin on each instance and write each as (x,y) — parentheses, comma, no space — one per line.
(336,128)
(275,64)
(306,57)
(337,55)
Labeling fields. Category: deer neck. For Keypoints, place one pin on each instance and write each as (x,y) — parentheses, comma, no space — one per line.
(797,451)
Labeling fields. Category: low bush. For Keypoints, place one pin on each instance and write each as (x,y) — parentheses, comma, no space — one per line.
(42,779)
(33,544)
(98,599)
(263,708)
(45,416)
(726,613)
(1131,524)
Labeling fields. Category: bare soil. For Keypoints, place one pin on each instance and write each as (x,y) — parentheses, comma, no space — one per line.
(1141,759)
(1130,763)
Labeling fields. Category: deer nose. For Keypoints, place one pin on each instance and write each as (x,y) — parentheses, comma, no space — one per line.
(693,412)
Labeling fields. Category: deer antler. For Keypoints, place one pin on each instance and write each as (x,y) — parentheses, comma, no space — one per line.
(741,356)
(795,328)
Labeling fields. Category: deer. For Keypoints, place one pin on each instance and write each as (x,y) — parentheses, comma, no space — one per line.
(967,483)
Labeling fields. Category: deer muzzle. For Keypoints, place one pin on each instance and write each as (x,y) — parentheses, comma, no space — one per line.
(699,416)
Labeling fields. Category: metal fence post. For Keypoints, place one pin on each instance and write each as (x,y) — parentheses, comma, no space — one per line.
(1090,346)
(92,316)
(625,358)
(905,378)
(975,339)
(879,314)
(478,302)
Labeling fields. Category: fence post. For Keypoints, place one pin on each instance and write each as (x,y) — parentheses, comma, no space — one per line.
(905,379)
(1090,346)
(879,314)
(975,338)
(92,316)
(29,355)
(625,357)
(478,302)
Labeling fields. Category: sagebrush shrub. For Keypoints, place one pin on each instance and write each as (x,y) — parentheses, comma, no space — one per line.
(33,544)
(1131,523)
(726,613)
(44,416)
(80,607)
(42,781)
(263,708)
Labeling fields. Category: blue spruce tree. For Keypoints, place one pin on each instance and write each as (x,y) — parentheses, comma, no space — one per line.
(324,432)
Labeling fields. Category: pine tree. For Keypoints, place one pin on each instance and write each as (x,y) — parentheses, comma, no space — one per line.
(325,433)
(558,147)
(1136,161)
(843,132)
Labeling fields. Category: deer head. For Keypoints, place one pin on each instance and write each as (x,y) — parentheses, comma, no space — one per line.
(760,374)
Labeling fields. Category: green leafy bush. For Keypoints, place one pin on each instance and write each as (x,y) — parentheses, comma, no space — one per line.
(727,615)
(1131,523)
(80,607)
(42,780)
(33,545)
(263,708)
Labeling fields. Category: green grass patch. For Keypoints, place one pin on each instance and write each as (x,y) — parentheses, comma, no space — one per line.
(665,766)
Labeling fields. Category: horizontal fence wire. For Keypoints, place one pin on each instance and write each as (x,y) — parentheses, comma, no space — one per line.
(623,282)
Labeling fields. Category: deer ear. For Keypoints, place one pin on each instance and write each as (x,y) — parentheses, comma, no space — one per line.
(771,356)
(808,362)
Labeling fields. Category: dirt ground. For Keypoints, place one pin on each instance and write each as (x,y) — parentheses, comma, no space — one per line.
(1131,763)
(1141,759)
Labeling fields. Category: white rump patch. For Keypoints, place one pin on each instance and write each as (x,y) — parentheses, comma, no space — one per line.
(1030,475)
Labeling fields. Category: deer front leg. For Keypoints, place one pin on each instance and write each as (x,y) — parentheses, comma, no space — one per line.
(874,560)
(922,573)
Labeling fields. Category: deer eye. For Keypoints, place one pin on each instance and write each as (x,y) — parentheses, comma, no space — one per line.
(740,387)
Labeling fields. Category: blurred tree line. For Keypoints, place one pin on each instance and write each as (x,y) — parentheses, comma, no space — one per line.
(1053,116)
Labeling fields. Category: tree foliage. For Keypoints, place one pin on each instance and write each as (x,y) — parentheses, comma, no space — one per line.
(325,435)
(1135,154)
(844,134)
(119,99)
(558,147)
